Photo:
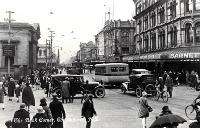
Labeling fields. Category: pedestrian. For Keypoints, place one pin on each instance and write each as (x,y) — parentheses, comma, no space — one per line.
(17,91)
(28,97)
(39,120)
(47,87)
(21,118)
(196,124)
(11,88)
(143,109)
(2,93)
(58,112)
(167,111)
(47,111)
(169,84)
(43,81)
(65,90)
(88,110)
(37,83)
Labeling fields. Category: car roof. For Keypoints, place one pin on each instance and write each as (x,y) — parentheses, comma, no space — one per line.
(140,70)
(122,64)
(66,75)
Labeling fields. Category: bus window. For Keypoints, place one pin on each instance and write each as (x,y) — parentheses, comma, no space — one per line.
(114,69)
(122,69)
(100,70)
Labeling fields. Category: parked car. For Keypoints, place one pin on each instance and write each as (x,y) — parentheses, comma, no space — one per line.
(139,80)
(78,84)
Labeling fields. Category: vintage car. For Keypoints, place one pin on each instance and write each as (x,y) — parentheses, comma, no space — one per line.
(140,80)
(78,85)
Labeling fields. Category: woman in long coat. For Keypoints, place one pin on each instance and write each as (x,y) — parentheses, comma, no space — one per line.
(28,97)
(2,92)
(11,88)
(143,109)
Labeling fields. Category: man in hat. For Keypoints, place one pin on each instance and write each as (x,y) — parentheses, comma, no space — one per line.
(66,90)
(21,118)
(57,111)
(11,88)
(165,111)
(40,120)
(88,110)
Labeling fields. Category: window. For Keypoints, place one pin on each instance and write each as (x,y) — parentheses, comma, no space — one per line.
(153,41)
(125,50)
(146,43)
(161,39)
(11,61)
(188,33)
(114,69)
(145,22)
(188,5)
(45,52)
(197,4)
(40,52)
(162,14)
(125,36)
(172,9)
(100,70)
(139,8)
(197,32)
(122,69)
(139,26)
(153,19)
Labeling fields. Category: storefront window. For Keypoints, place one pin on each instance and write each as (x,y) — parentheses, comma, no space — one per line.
(197,38)
(188,33)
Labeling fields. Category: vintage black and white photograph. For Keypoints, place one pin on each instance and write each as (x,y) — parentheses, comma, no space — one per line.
(100,64)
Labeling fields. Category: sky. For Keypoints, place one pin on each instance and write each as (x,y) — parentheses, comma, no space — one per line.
(73,21)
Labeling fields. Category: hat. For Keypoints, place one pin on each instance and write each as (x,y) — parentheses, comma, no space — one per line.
(166,109)
(43,102)
(144,93)
(40,109)
(22,106)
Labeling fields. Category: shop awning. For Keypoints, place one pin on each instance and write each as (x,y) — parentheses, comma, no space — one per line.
(183,53)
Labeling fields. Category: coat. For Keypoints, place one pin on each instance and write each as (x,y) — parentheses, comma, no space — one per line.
(39,121)
(27,96)
(58,112)
(11,88)
(65,89)
(17,90)
(88,109)
(2,93)
(143,108)
(21,119)
(169,82)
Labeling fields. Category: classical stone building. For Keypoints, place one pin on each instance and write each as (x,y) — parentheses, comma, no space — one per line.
(22,50)
(116,40)
(167,34)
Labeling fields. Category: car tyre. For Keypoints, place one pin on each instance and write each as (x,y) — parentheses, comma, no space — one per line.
(99,92)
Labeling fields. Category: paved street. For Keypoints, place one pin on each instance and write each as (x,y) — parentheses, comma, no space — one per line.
(115,110)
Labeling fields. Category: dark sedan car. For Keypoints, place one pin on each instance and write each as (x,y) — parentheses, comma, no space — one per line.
(78,85)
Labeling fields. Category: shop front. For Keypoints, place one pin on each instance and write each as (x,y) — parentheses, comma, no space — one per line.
(177,59)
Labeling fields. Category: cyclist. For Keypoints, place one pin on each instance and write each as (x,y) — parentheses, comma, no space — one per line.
(160,84)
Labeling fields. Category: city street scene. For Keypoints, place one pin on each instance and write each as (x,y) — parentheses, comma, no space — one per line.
(100,64)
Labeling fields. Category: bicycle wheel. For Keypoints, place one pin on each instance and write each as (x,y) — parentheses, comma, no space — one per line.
(165,96)
(190,112)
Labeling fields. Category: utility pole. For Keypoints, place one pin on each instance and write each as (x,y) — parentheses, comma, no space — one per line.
(9,35)
(46,54)
(51,42)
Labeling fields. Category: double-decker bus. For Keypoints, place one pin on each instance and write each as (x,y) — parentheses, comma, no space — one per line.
(112,73)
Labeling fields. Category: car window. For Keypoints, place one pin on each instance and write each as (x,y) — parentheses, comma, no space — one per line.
(114,69)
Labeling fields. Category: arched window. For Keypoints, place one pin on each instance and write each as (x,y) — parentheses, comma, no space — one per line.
(146,43)
(153,19)
(40,52)
(188,34)
(153,40)
(197,32)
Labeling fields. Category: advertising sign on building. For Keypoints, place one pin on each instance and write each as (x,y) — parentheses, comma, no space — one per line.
(8,50)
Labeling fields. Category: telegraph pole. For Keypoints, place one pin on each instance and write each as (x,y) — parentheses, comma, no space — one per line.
(9,35)
(51,42)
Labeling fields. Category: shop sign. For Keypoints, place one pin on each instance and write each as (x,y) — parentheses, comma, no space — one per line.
(150,57)
(184,55)
(8,50)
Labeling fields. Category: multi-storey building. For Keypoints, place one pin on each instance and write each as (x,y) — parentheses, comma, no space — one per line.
(22,49)
(116,40)
(167,34)
(43,55)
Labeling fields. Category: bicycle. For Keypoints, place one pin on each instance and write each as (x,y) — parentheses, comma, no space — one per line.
(160,94)
(191,111)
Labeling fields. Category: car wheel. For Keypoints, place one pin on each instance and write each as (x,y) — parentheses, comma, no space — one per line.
(99,92)
(123,89)
(150,89)
(138,92)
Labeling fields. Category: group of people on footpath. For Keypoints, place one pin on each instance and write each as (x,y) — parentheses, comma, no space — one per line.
(51,116)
